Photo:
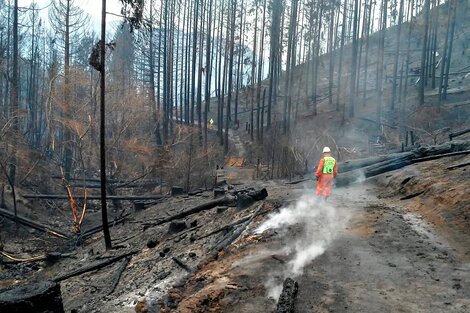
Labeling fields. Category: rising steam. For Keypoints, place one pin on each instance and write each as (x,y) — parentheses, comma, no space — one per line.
(306,229)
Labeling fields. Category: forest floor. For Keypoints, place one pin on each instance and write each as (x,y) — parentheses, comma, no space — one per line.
(364,250)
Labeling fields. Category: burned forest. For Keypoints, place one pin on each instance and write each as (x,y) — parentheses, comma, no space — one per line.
(234,156)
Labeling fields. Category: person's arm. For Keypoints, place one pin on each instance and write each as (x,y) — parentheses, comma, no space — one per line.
(335,170)
(319,170)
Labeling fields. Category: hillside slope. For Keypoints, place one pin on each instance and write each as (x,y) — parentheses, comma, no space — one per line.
(353,137)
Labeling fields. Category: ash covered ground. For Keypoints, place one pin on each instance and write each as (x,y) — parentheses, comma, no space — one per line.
(364,250)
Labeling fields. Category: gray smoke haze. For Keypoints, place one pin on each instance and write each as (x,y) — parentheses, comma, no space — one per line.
(306,229)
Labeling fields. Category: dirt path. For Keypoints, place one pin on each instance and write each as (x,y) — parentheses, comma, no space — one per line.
(235,139)
(387,260)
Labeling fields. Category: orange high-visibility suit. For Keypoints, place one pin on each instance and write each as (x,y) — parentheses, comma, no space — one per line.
(325,173)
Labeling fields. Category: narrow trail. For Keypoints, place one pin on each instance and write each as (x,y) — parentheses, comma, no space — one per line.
(386,260)
(234,137)
(234,170)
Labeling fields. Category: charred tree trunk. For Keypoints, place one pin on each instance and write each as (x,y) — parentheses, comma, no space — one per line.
(276,8)
(14,108)
(104,208)
(355,36)
(449,54)
(424,52)
(397,53)
(340,66)
(230,72)
(208,72)
(380,62)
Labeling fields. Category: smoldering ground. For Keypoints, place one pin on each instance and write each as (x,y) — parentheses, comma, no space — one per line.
(305,229)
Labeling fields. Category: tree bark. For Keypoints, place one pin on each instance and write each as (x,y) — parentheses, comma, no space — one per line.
(286,303)
(104,206)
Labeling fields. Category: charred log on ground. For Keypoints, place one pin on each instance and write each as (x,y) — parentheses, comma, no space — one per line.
(359,170)
(39,297)
(228,200)
(32,224)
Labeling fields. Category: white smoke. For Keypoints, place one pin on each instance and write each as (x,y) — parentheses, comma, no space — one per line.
(306,229)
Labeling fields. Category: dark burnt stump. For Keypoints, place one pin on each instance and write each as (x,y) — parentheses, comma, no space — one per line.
(286,303)
(38,297)
(258,195)
(219,192)
(177,226)
(177,191)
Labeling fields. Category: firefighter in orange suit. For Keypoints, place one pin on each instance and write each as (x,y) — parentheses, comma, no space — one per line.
(327,170)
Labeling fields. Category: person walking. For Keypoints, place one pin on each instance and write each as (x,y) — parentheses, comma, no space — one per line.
(326,172)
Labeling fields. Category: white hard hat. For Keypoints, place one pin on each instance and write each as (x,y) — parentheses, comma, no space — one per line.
(326,150)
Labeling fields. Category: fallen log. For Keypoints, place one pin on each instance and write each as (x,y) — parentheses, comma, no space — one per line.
(229,226)
(119,272)
(90,232)
(286,303)
(44,296)
(439,156)
(118,183)
(93,267)
(225,227)
(237,232)
(389,165)
(48,257)
(118,241)
(32,224)
(182,264)
(227,200)
(447,147)
(397,161)
(351,165)
(93,197)
(94,185)
(458,165)
(413,195)
(458,133)
(360,175)
(278,258)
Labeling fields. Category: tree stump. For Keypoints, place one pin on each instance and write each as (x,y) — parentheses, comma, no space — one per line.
(286,303)
(177,191)
(39,297)
(219,192)
(177,226)
(258,195)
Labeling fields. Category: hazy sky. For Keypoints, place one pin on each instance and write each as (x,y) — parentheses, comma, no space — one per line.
(92,7)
